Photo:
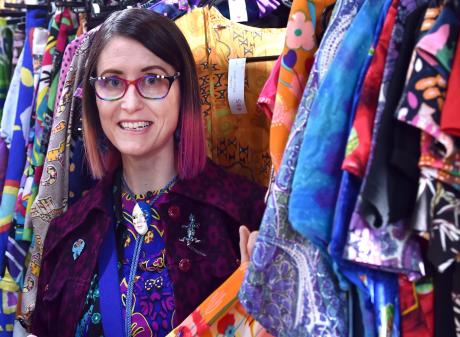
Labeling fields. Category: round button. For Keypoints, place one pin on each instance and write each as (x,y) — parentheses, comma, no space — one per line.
(185,264)
(174,212)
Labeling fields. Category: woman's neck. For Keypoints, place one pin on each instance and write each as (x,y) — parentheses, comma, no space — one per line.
(148,174)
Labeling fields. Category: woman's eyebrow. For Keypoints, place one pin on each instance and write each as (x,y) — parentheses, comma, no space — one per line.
(154,67)
(112,71)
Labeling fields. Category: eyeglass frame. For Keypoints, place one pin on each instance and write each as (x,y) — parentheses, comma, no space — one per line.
(170,78)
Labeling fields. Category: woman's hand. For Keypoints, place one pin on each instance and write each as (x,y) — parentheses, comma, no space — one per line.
(247,242)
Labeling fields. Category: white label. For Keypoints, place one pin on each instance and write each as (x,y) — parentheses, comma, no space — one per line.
(238,12)
(96,8)
(236,69)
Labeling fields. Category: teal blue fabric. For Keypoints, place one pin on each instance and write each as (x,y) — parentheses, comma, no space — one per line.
(317,177)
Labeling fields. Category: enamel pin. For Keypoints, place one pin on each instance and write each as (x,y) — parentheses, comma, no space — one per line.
(139,220)
(77,248)
(189,239)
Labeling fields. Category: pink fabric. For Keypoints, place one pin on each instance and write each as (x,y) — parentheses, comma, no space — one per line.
(66,61)
(266,101)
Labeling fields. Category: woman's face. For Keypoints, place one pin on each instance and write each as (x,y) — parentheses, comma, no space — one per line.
(136,126)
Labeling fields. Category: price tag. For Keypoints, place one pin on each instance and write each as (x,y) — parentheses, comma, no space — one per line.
(96,8)
(238,12)
(236,68)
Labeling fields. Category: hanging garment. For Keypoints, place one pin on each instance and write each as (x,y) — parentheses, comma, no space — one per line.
(35,18)
(237,142)
(359,140)
(446,298)
(372,240)
(6,51)
(38,47)
(377,291)
(424,95)
(266,100)
(443,250)
(425,88)
(284,263)
(18,45)
(417,311)
(11,103)
(52,196)
(317,177)
(350,185)
(61,30)
(6,45)
(9,296)
(450,122)
(16,247)
(296,62)
(69,53)
(442,218)
(3,164)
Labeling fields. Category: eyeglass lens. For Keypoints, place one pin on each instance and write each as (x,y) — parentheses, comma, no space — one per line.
(149,86)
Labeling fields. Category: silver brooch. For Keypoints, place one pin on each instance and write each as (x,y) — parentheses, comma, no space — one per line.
(189,239)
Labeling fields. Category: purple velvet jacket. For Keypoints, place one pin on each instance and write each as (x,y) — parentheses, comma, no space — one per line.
(220,202)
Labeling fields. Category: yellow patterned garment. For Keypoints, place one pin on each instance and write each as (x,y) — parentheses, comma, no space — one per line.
(238,142)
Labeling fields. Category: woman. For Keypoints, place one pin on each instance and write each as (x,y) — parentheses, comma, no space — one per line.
(159,232)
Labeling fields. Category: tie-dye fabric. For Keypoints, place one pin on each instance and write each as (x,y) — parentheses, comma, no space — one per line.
(317,177)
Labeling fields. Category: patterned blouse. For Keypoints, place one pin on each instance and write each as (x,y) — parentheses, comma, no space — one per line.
(153,300)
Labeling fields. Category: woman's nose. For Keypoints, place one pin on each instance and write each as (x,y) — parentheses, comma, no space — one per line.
(132,100)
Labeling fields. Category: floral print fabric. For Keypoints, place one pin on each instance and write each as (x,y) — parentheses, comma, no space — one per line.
(296,62)
(439,208)
(425,92)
